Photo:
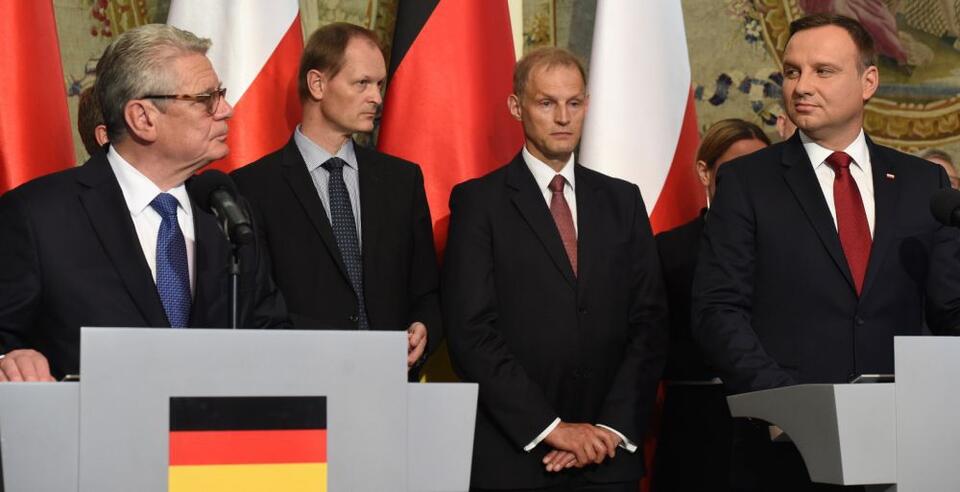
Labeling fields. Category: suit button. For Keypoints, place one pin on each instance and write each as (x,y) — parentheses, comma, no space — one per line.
(354,318)
(859,321)
(583,310)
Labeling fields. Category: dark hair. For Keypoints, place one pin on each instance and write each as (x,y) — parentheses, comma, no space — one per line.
(546,58)
(723,134)
(89,117)
(861,37)
(325,50)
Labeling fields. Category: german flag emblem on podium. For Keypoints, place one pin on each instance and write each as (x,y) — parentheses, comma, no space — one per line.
(241,444)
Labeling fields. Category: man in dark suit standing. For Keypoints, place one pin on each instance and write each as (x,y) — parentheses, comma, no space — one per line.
(118,241)
(819,250)
(348,228)
(554,302)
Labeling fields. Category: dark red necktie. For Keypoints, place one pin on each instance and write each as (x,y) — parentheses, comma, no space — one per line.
(564,219)
(851,218)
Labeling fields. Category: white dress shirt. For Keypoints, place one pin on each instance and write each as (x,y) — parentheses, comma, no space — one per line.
(138,192)
(543,174)
(860,170)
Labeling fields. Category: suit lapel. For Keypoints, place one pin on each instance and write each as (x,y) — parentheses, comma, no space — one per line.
(529,201)
(109,216)
(886,195)
(298,178)
(802,180)
(209,265)
(589,220)
(373,198)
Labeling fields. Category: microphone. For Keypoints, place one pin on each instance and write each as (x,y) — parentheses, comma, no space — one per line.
(214,192)
(945,206)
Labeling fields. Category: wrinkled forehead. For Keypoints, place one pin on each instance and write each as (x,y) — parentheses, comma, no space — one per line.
(556,79)
(193,72)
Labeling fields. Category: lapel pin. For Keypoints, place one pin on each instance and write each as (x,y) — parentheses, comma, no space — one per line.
(890,176)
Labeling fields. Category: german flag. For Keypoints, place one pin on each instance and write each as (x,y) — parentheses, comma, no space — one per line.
(241,444)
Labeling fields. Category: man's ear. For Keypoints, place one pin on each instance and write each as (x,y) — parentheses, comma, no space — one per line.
(316,83)
(871,80)
(141,118)
(100,134)
(513,104)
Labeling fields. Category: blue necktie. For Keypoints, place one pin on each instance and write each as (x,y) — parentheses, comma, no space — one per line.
(173,276)
(345,232)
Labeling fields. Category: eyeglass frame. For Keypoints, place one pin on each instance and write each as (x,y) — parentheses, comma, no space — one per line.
(205,98)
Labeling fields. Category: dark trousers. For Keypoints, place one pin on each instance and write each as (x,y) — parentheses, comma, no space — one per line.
(694,445)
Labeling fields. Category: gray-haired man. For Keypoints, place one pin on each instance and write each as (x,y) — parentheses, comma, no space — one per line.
(118,242)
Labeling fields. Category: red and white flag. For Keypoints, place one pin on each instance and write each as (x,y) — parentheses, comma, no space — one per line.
(35,135)
(642,123)
(256,52)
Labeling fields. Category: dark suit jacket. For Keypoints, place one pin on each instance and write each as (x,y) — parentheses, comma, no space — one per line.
(400,278)
(541,342)
(774,302)
(71,258)
(679,249)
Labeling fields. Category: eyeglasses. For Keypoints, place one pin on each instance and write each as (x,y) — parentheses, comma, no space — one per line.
(210,99)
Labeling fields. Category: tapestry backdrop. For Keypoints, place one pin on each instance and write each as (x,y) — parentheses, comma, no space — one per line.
(735,49)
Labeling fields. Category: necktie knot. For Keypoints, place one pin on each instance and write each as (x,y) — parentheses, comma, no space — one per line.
(166,205)
(557,183)
(333,163)
(839,161)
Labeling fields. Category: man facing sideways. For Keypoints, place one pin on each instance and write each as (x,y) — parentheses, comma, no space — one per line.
(819,250)
(348,228)
(118,241)
(554,302)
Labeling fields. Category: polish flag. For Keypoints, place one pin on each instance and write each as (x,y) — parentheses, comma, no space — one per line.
(642,124)
(256,52)
(35,136)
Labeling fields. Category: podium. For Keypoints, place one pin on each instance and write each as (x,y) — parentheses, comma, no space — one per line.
(902,436)
(846,433)
(113,431)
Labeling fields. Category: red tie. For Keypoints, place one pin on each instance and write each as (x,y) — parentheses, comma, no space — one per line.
(564,219)
(851,218)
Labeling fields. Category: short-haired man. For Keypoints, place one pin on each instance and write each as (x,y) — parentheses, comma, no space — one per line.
(90,125)
(819,250)
(348,227)
(554,302)
(118,241)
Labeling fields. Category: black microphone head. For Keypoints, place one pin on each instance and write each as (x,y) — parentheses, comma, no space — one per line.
(944,204)
(204,184)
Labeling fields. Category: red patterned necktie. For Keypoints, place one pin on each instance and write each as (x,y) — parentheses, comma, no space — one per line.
(851,218)
(564,219)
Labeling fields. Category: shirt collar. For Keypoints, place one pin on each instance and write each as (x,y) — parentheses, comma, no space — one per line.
(315,155)
(857,150)
(138,191)
(543,173)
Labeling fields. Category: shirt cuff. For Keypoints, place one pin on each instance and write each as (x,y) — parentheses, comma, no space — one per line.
(624,442)
(543,435)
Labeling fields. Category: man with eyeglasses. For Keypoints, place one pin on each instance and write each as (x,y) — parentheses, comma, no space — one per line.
(348,228)
(118,241)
